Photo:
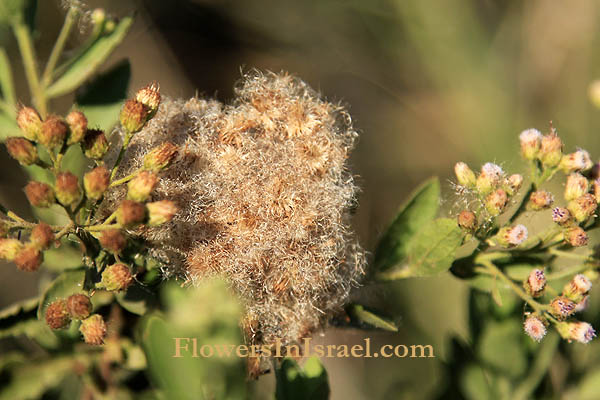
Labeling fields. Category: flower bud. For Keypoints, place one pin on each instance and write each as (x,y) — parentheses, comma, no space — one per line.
(53,133)
(29,258)
(98,16)
(596,189)
(22,150)
(577,161)
(511,235)
(160,157)
(96,182)
(161,212)
(9,248)
(562,308)
(577,185)
(42,236)
(535,283)
(29,122)
(551,150)
(116,277)
(149,96)
(93,330)
(133,116)
(531,140)
(561,216)
(67,189)
(39,194)
(464,175)
(577,288)
(535,327)
(583,207)
(79,306)
(140,187)
(490,177)
(513,184)
(576,237)
(131,213)
(95,144)
(540,200)
(496,201)
(581,332)
(467,220)
(57,316)
(113,241)
(77,126)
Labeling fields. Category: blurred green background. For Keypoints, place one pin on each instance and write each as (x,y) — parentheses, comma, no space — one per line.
(427,82)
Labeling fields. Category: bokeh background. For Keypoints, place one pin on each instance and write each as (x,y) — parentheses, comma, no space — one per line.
(427,83)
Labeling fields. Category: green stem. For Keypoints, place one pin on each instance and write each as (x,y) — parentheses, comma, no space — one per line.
(25,43)
(566,254)
(123,180)
(126,141)
(567,272)
(64,231)
(59,46)
(103,227)
(523,204)
(542,362)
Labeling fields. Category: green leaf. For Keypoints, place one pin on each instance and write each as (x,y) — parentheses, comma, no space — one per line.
(21,319)
(88,62)
(8,127)
(101,100)
(295,383)
(67,283)
(501,347)
(430,252)
(421,208)
(477,383)
(136,299)
(363,316)
(589,388)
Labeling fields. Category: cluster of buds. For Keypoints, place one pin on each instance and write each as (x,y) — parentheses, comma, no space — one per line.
(61,312)
(28,256)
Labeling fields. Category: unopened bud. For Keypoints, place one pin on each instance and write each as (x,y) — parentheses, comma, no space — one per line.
(57,315)
(42,236)
(67,189)
(577,288)
(511,235)
(96,182)
(562,308)
(93,330)
(577,161)
(131,213)
(583,207)
(160,157)
(116,277)
(53,133)
(77,125)
(513,184)
(464,175)
(95,144)
(577,185)
(29,258)
(9,248)
(535,283)
(581,332)
(496,201)
(39,194)
(467,220)
(491,175)
(576,237)
(22,150)
(535,327)
(29,122)
(551,150)
(79,306)
(149,96)
(140,187)
(540,200)
(161,212)
(561,216)
(133,116)
(113,240)
(531,140)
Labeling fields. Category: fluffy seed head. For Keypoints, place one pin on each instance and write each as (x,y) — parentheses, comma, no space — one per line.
(551,150)
(464,175)
(540,200)
(95,144)
(576,237)
(140,187)
(53,133)
(29,122)
(78,124)
(79,306)
(9,248)
(583,207)
(67,189)
(535,327)
(116,277)
(467,220)
(39,194)
(42,236)
(113,240)
(96,182)
(160,212)
(22,150)
(576,186)
(93,330)
(57,315)
(531,140)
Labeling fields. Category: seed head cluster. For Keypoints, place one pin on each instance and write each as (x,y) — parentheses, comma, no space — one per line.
(264,196)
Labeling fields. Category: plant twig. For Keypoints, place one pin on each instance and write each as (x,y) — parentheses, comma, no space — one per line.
(59,46)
